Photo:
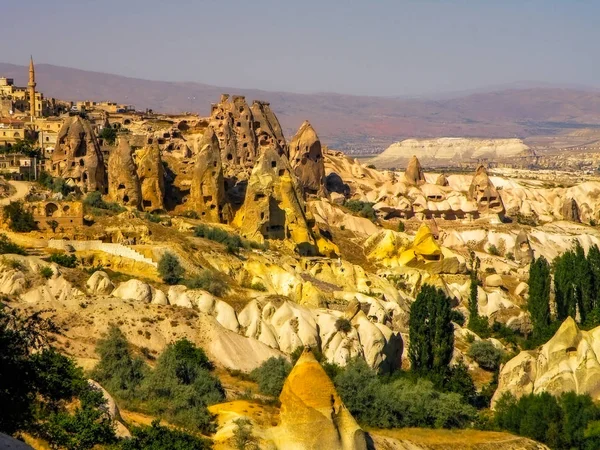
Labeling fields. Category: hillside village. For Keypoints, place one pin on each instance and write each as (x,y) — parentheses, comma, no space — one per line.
(277,254)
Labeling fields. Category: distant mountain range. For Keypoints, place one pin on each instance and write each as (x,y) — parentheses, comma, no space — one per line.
(351,123)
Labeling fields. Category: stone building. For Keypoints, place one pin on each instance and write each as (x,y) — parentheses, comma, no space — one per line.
(24,101)
(67,215)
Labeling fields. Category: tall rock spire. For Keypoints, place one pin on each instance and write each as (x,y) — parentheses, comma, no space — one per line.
(31,87)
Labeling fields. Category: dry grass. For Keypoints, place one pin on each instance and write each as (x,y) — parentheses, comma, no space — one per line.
(459,439)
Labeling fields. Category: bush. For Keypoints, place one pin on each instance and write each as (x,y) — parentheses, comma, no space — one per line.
(118,371)
(399,402)
(154,218)
(94,200)
(563,423)
(271,375)
(108,135)
(7,246)
(486,355)
(343,325)
(242,434)
(157,437)
(510,256)
(209,282)
(493,250)
(62,259)
(19,219)
(55,184)
(46,272)
(231,241)
(457,317)
(401,227)
(191,214)
(181,387)
(362,209)
(258,286)
(170,269)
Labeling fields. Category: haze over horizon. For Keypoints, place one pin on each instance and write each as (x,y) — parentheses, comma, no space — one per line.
(403,48)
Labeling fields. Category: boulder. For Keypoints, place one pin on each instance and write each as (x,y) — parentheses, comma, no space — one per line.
(494,280)
(99,283)
(312,413)
(134,290)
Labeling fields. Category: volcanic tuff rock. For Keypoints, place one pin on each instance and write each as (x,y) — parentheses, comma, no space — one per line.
(123,181)
(570,361)
(312,413)
(274,208)
(414,174)
(207,193)
(306,157)
(451,151)
(151,174)
(570,210)
(522,250)
(482,191)
(77,157)
(266,122)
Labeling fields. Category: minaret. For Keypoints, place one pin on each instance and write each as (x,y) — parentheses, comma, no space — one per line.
(31,87)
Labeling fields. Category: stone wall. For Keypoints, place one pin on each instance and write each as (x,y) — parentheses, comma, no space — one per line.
(112,249)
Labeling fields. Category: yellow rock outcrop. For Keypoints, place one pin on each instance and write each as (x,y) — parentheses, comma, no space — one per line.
(312,413)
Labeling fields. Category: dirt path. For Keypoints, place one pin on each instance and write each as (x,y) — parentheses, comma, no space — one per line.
(22,188)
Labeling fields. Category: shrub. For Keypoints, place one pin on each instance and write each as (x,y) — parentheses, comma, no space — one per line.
(108,135)
(7,246)
(55,184)
(154,218)
(231,241)
(271,375)
(157,437)
(209,282)
(242,434)
(258,286)
(170,269)
(401,227)
(191,214)
(46,272)
(510,256)
(493,250)
(457,317)
(118,371)
(486,355)
(62,259)
(343,325)
(398,402)
(19,219)
(53,224)
(362,209)
(181,387)
(94,200)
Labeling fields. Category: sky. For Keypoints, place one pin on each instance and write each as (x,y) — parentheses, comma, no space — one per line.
(375,47)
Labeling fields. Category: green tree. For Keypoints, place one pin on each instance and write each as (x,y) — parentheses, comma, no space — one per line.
(271,375)
(118,371)
(157,437)
(19,218)
(7,246)
(170,269)
(109,135)
(53,224)
(181,387)
(539,295)
(431,331)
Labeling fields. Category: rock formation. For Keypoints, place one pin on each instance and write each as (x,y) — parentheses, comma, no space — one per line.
(306,158)
(523,251)
(312,413)
(123,182)
(483,192)
(570,210)
(453,151)
(441,180)
(570,361)
(266,122)
(77,157)
(414,174)
(273,208)
(151,174)
(207,193)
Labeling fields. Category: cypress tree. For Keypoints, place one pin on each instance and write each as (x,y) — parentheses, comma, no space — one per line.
(539,295)
(431,331)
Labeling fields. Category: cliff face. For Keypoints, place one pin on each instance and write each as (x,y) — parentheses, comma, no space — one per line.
(450,151)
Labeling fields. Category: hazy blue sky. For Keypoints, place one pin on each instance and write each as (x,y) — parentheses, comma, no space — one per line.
(385,47)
